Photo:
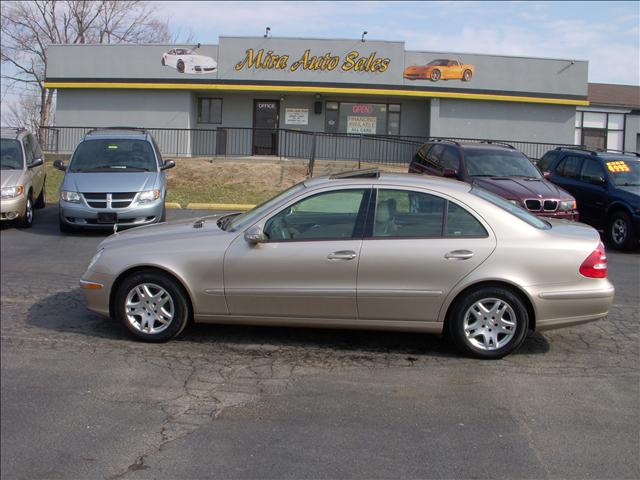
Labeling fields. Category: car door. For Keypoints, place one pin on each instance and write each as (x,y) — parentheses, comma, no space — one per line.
(418,246)
(307,265)
(593,198)
(566,175)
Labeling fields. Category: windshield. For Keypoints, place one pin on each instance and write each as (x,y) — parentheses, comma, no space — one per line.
(439,63)
(11,155)
(486,163)
(251,216)
(113,156)
(625,173)
(511,208)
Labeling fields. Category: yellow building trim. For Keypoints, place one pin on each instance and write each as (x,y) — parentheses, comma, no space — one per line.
(311,89)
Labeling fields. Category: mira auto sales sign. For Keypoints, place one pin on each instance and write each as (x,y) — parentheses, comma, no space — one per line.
(311,60)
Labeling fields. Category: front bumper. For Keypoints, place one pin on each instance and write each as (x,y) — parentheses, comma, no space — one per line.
(84,216)
(96,288)
(572,215)
(12,208)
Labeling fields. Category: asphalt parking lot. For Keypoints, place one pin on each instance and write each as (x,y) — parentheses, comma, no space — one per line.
(80,399)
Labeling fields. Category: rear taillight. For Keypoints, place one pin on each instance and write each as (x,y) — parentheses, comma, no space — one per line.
(595,265)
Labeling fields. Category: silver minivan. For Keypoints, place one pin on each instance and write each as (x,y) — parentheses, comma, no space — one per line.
(115,177)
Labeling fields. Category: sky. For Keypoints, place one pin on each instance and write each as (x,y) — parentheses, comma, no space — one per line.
(607,34)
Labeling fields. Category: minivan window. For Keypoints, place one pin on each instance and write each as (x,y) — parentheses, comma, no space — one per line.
(511,208)
(115,155)
(10,154)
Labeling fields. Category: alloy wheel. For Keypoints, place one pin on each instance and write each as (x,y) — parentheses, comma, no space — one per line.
(490,324)
(149,308)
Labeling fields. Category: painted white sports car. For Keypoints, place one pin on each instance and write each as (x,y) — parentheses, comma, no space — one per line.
(188,61)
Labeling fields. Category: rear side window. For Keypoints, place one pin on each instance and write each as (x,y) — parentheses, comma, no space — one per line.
(461,223)
(569,167)
(545,162)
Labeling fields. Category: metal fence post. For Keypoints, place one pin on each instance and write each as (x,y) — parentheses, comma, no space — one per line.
(360,152)
(312,160)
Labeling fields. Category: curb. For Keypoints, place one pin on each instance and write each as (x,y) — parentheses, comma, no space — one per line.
(219,206)
(172,205)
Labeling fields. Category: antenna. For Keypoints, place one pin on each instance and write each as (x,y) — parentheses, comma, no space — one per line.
(266,32)
(363,34)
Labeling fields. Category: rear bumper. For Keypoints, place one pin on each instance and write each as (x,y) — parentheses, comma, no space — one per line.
(563,307)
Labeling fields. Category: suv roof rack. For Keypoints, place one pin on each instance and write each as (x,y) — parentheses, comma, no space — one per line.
(96,129)
(367,173)
(498,142)
(580,147)
(433,139)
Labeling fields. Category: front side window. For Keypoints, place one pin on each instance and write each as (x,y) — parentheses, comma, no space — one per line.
(327,215)
(117,155)
(591,170)
(209,110)
(10,154)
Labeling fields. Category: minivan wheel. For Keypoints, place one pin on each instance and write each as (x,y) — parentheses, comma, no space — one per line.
(26,219)
(620,232)
(152,306)
(41,201)
(489,323)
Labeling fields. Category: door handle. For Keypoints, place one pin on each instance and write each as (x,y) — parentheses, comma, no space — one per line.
(458,255)
(342,255)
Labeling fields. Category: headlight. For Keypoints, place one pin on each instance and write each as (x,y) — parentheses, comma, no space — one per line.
(149,196)
(10,192)
(568,205)
(95,258)
(73,197)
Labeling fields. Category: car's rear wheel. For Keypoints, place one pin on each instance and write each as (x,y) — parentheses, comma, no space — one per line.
(620,232)
(435,75)
(152,306)
(489,322)
(41,201)
(26,219)
(180,66)
(466,76)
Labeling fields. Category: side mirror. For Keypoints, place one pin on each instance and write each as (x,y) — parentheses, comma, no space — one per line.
(254,235)
(450,173)
(546,175)
(168,164)
(36,163)
(58,164)
(598,181)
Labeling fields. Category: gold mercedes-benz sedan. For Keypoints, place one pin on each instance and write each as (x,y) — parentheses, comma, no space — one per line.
(359,250)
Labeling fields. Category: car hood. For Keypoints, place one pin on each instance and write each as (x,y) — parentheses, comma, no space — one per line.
(519,188)
(200,60)
(10,178)
(633,190)
(111,182)
(166,232)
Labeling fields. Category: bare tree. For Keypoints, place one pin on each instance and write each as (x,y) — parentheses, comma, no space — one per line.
(28,28)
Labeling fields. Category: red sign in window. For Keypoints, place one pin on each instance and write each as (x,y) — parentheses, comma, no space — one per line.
(362,108)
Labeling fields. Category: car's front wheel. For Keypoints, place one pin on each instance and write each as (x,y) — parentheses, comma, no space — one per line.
(489,322)
(26,219)
(620,232)
(466,76)
(152,306)
(435,75)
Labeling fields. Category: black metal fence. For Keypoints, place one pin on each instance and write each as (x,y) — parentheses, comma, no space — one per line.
(282,143)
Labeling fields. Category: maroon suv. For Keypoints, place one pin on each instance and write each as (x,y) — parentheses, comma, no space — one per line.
(499,168)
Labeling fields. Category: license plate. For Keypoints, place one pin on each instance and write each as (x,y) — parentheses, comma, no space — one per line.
(107,218)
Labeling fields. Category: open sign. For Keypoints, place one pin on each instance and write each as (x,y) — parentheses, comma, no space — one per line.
(362,108)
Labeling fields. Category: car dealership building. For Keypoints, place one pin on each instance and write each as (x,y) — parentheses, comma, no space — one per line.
(325,85)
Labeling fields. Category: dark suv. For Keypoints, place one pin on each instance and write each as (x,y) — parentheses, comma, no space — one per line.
(606,186)
(499,168)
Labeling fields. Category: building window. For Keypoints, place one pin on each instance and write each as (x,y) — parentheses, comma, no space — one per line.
(363,118)
(209,110)
(600,130)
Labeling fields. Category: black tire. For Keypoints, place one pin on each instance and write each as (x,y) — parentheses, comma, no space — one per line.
(158,283)
(162,61)
(26,219)
(180,66)
(513,331)
(435,75)
(620,232)
(466,76)
(41,201)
